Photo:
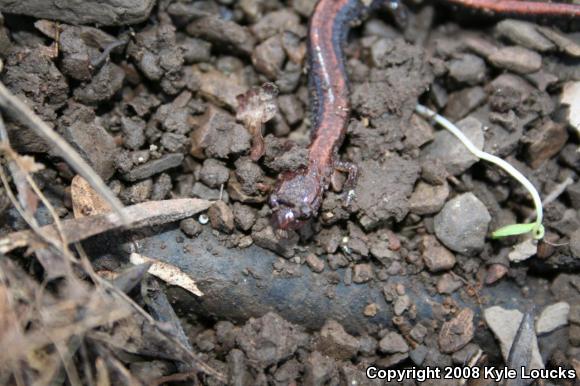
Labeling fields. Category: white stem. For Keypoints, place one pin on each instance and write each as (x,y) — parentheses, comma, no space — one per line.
(430,114)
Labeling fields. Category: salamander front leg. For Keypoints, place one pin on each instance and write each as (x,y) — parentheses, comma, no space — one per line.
(352,176)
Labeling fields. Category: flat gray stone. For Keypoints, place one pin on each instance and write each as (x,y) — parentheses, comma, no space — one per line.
(517,59)
(504,324)
(552,317)
(524,34)
(462,224)
(450,151)
(102,12)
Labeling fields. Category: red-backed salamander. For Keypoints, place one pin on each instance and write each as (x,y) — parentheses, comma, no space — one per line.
(297,195)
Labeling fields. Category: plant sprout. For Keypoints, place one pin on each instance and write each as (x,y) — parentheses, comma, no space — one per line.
(536,228)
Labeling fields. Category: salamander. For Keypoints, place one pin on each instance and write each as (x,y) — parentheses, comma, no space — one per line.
(297,195)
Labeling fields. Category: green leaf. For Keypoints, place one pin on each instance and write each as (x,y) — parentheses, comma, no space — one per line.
(514,229)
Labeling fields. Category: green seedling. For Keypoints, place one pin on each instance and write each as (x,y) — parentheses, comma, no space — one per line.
(536,228)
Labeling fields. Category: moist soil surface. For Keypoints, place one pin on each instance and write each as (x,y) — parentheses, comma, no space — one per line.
(407,274)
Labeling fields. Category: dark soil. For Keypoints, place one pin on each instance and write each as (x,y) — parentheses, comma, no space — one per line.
(402,277)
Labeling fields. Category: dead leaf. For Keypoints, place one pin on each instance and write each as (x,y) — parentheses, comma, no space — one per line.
(168,273)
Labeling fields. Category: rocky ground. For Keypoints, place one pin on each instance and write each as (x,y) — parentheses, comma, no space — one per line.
(152,109)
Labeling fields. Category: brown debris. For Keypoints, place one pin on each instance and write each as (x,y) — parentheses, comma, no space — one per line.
(457,332)
(256,107)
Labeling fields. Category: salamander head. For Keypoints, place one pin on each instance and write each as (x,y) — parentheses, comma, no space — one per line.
(296,199)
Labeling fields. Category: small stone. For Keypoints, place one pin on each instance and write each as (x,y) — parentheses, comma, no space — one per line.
(218,135)
(319,369)
(462,224)
(133,132)
(574,196)
(138,192)
(199,190)
(545,141)
(468,69)
(466,354)
(367,345)
(292,108)
(524,34)
(190,227)
(552,317)
(517,59)
(419,133)
(574,334)
(523,251)
(276,22)
(244,216)
(394,178)
(448,283)
(393,343)
(419,354)
(162,187)
(380,251)
(574,315)
(564,43)
(437,258)
(335,342)
(269,57)
(222,32)
(479,45)
(214,173)
(428,199)
(95,145)
(195,50)
(495,272)
(220,88)
(103,86)
(457,332)
(505,324)
(266,238)
(401,304)
(447,148)
(362,273)
(315,263)
(463,102)
(418,333)
(221,217)
(146,170)
(370,310)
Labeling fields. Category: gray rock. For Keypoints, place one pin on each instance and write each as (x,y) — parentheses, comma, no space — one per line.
(575,243)
(214,173)
(516,59)
(504,324)
(552,317)
(335,342)
(437,258)
(448,149)
(103,12)
(394,178)
(525,34)
(151,168)
(462,224)
(222,32)
(467,68)
(428,199)
(133,132)
(574,195)
(94,144)
(393,343)
(462,102)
